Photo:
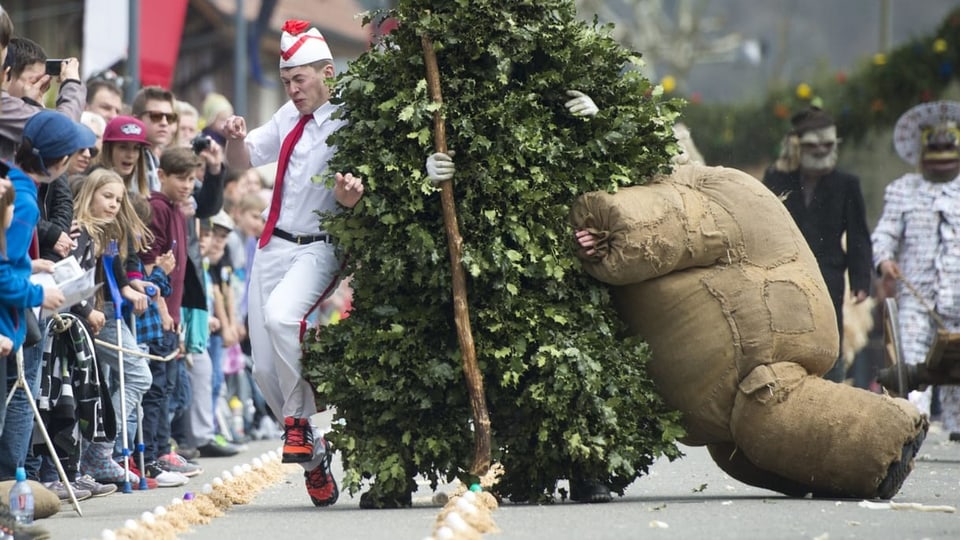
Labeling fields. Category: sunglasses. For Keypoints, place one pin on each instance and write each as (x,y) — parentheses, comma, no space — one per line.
(156,116)
(93,151)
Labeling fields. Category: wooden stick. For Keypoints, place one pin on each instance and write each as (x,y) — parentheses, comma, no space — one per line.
(114,347)
(461,313)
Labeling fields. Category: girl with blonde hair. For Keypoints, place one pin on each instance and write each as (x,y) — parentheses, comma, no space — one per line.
(105,215)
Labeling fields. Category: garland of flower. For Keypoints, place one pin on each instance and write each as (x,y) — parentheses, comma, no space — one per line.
(873,96)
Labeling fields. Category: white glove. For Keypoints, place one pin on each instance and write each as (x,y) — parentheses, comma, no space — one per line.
(581,104)
(440,167)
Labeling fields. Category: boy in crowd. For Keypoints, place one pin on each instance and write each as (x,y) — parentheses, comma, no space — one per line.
(176,173)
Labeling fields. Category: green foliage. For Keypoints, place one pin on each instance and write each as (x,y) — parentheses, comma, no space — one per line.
(873,96)
(567,394)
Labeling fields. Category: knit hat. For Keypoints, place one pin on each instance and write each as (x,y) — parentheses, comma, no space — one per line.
(126,129)
(299,46)
(810,119)
(53,135)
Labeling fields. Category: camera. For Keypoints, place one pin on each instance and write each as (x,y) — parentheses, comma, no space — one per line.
(52,66)
(200,143)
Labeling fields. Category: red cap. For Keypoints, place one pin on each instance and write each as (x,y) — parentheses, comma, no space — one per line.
(126,128)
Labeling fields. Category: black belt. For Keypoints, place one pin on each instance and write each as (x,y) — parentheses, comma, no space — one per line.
(300,240)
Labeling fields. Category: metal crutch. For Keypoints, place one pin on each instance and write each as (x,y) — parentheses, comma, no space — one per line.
(151,291)
(108,257)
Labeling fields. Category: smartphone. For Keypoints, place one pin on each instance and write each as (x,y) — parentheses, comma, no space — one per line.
(53,67)
(4,169)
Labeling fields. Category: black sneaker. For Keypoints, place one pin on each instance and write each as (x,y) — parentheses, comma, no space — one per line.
(163,477)
(215,448)
(589,491)
(373,499)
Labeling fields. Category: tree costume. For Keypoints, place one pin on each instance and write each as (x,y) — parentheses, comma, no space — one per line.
(710,269)
(568,396)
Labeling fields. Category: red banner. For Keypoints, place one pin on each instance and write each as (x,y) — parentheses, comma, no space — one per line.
(161,29)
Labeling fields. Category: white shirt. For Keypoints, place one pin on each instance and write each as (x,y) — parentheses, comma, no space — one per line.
(301,196)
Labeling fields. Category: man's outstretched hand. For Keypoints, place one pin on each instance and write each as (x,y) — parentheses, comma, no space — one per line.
(348,189)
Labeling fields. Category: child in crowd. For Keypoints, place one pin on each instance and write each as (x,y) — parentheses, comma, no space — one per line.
(124,144)
(177,172)
(104,216)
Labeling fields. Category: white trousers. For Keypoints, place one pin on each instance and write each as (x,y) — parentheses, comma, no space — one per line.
(286,283)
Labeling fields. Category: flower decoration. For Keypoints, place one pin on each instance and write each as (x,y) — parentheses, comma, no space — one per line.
(669,84)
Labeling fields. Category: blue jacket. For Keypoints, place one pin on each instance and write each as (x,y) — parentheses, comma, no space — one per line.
(17,293)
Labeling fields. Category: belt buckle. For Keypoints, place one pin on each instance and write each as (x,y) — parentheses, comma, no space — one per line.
(299,240)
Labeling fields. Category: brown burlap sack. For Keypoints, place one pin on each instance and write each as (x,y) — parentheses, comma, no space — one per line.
(838,440)
(736,286)
(709,268)
(696,217)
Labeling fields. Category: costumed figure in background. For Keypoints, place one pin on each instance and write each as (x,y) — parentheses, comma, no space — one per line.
(825,204)
(917,240)
(707,266)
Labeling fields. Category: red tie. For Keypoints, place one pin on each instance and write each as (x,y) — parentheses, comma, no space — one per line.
(285,150)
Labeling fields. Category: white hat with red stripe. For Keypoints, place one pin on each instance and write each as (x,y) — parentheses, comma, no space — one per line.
(300,46)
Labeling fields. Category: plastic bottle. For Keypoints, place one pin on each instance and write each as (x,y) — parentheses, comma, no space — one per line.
(236,408)
(21,499)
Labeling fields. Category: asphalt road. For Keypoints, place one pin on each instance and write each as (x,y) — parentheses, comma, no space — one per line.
(687,499)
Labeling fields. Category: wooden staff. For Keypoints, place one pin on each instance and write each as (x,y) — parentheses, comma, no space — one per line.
(461,313)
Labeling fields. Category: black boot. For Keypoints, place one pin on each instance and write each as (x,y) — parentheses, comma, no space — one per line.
(373,499)
(589,491)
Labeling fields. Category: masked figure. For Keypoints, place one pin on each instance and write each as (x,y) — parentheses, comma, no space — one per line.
(826,204)
(917,239)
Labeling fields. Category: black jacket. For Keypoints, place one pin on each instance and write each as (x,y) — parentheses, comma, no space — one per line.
(837,207)
(209,197)
(56,215)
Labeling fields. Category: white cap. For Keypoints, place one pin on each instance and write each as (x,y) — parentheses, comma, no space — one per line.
(299,46)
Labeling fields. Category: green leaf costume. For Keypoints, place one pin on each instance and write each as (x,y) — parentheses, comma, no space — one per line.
(568,396)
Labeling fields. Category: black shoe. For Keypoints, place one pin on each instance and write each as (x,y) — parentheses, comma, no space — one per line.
(954,436)
(373,499)
(188,454)
(217,449)
(589,491)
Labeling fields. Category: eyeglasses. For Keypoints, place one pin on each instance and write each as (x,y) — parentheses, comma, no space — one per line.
(156,116)
(93,150)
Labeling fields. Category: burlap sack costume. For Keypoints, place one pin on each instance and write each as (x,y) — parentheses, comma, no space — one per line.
(709,269)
